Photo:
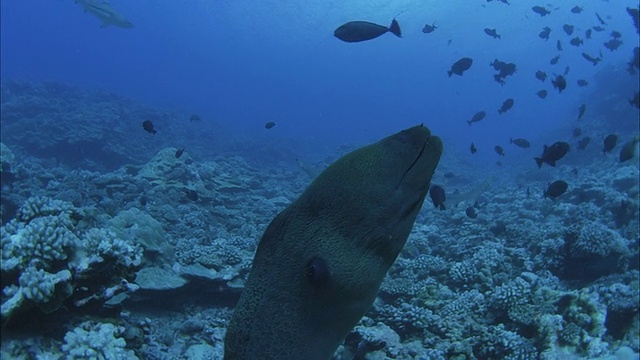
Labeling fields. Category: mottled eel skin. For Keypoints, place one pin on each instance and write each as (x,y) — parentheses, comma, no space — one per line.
(320,262)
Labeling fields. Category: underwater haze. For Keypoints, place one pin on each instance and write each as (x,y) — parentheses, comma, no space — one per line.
(147,145)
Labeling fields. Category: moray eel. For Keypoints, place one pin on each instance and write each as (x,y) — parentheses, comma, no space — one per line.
(320,262)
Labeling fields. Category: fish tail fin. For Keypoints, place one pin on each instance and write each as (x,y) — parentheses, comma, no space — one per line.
(499,111)
(395,28)
(468,121)
(449,73)
(499,37)
(511,141)
(539,161)
(154,132)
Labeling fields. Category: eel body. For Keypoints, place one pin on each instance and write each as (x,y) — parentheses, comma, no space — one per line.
(320,262)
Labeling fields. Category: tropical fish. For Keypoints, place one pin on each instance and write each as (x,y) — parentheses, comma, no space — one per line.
(583,143)
(269,124)
(477,117)
(147,125)
(576,41)
(179,153)
(576,9)
(427,29)
(542,94)
(499,150)
(581,111)
(473,148)
(628,150)
(460,66)
(553,153)
(438,196)
(555,189)
(103,11)
(520,142)
(559,83)
(492,32)
(609,143)
(554,60)
(471,212)
(613,44)
(544,34)
(542,11)
(541,75)
(582,83)
(506,105)
(593,60)
(568,29)
(356,31)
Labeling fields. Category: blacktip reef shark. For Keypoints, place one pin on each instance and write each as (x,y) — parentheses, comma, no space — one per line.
(103,11)
(320,262)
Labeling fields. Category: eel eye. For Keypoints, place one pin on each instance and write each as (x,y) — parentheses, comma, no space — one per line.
(317,272)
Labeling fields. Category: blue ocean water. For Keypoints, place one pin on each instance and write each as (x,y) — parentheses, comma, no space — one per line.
(75,93)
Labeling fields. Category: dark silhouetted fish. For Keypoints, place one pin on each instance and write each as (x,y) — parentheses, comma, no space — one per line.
(542,94)
(568,29)
(576,132)
(581,111)
(449,175)
(559,45)
(506,106)
(194,117)
(520,142)
(566,70)
(499,150)
(582,83)
(427,29)
(576,9)
(635,101)
(559,83)
(576,41)
(504,69)
(544,34)
(628,150)
(269,124)
(587,34)
(460,66)
(615,34)
(600,19)
(542,11)
(583,143)
(191,194)
(473,148)
(356,31)
(593,60)
(613,44)
(609,143)
(147,125)
(635,61)
(437,196)
(477,117)
(492,32)
(541,75)
(554,60)
(499,163)
(471,212)
(553,153)
(179,153)
(555,189)
(635,15)
(598,28)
